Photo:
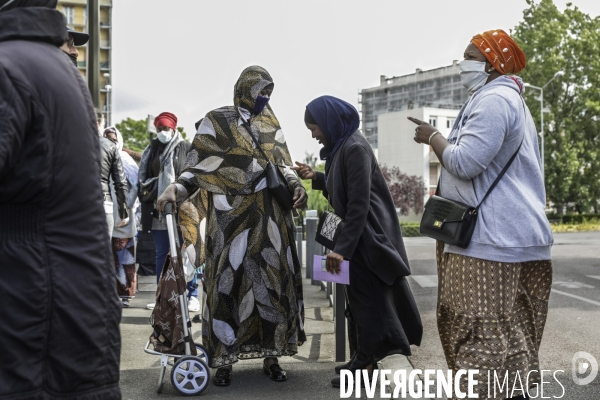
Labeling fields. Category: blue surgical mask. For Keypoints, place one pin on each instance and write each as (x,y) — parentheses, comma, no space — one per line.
(261,102)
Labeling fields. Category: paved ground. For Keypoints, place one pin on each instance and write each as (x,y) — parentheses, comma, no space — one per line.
(573,325)
(573,321)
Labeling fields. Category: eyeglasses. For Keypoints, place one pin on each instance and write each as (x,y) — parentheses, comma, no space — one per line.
(71,41)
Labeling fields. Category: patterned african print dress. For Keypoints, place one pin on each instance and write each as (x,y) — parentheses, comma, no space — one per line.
(253,281)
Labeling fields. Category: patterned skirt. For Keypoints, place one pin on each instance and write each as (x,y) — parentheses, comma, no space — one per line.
(491,317)
(123,253)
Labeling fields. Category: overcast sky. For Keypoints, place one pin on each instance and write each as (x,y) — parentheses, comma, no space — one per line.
(184,56)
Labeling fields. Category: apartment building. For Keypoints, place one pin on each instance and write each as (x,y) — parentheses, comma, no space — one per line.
(75,12)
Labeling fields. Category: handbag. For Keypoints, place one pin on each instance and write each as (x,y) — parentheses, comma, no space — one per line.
(451,221)
(148,191)
(329,229)
(276,181)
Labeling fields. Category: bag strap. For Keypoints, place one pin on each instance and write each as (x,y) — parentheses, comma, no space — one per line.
(509,161)
(251,132)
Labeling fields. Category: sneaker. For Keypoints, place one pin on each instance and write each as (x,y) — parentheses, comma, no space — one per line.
(125,303)
(193,304)
(151,306)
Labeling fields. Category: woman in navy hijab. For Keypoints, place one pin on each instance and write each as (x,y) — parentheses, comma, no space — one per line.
(382,311)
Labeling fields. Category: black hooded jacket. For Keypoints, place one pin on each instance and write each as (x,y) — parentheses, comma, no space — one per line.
(111,167)
(59,311)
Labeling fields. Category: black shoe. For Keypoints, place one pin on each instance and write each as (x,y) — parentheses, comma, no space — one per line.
(223,376)
(347,366)
(342,366)
(197,319)
(275,372)
(336,382)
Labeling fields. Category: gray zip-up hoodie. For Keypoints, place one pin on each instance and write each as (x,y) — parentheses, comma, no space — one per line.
(512,224)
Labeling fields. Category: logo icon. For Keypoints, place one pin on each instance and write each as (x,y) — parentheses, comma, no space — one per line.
(585,368)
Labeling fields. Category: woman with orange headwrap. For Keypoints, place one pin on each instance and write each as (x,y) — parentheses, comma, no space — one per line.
(493,295)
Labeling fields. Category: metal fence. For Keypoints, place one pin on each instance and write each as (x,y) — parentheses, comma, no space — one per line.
(333,292)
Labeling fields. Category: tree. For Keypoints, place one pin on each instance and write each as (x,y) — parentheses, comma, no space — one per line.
(135,133)
(316,200)
(407,190)
(567,41)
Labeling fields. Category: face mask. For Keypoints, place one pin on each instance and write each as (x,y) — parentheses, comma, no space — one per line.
(261,102)
(164,136)
(73,59)
(473,75)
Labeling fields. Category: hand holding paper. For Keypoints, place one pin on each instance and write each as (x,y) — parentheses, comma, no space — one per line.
(321,273)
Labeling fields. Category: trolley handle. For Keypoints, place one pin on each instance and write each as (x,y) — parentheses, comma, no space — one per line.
(168,209)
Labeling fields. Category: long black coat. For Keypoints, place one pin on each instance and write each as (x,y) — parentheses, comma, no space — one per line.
(360,196)
(59,312)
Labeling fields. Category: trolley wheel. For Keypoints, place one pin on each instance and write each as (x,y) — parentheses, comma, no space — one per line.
(190,375)
(202,353)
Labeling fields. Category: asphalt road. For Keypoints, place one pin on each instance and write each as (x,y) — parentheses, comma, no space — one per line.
(574,311)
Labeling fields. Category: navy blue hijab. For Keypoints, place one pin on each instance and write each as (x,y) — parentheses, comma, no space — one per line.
(337,120)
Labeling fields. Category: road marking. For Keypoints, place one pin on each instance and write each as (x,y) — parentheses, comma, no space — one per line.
(573,285)
(426,280)
(596,303)
(594,276)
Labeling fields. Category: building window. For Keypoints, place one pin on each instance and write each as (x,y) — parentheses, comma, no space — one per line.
(69,15)
(85,16)
(433,175)
(449,123)
(433,121)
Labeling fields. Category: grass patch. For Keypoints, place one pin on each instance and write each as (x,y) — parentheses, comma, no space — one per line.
(585,226)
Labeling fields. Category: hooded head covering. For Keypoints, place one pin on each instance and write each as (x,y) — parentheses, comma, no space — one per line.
(501,51)
(6,5)
(224,158)
(337,120)
(166,119)
(249,85)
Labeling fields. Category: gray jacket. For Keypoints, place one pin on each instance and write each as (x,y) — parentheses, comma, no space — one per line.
(512,224)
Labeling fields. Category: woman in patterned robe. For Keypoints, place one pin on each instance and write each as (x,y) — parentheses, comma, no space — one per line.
(253,281)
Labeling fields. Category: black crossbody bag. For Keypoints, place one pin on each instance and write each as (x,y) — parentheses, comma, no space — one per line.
(451,221)
(276,181)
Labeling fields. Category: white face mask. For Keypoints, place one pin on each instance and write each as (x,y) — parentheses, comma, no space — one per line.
(165,136)
(473,75)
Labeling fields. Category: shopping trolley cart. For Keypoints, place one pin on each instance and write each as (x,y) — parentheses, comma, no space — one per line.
(190,374)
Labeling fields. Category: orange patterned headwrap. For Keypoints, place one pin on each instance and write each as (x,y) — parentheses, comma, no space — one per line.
(501,50)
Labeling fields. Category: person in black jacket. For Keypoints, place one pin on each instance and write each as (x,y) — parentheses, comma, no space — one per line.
(162,162)
(381,306)
(54,247)
(111,166)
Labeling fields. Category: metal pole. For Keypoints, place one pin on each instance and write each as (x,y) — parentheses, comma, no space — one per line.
(311,245)
(93,52)
(299,240)
(340,323)
(108,117)
(542,136)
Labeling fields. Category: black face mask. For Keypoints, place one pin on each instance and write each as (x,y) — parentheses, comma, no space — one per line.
(73,59)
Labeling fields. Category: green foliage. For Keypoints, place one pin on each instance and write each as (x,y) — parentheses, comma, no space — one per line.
(135,134)
(316,200)
(566,41)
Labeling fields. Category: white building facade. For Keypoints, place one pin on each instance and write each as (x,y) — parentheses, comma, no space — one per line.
(398,149)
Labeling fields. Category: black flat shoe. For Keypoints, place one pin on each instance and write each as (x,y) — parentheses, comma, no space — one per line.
(347,366)
(342,366)
(223,377)
(336,382)
(275,372)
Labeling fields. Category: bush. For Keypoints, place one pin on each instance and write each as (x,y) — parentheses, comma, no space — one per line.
(410,229)
(572,219)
